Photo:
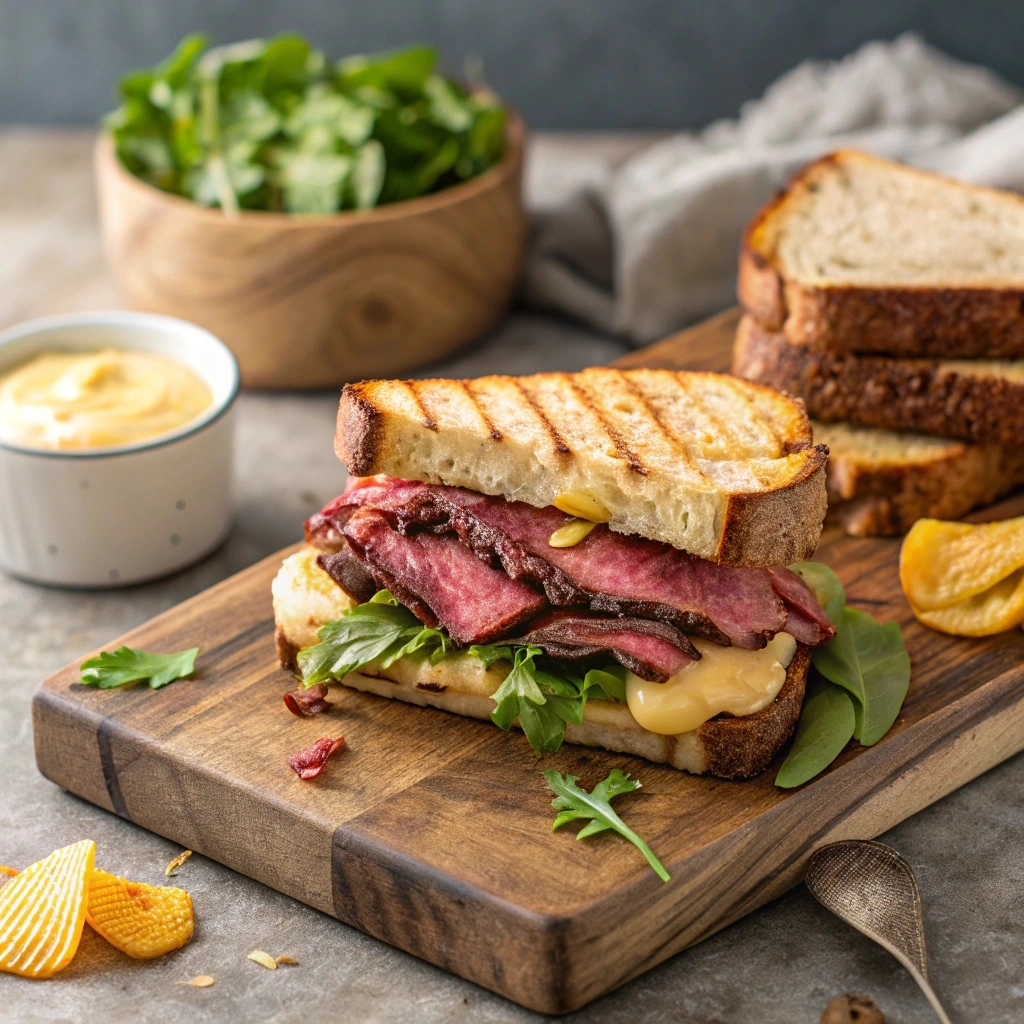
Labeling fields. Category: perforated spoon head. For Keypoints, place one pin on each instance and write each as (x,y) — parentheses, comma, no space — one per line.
(870,886)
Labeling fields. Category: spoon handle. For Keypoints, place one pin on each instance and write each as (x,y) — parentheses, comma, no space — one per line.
(922,981)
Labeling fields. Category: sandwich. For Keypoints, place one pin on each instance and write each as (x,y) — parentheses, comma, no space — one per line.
(597,558)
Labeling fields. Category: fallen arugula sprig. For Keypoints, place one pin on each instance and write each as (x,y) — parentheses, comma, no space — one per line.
(273,125)
(862,681)
(126,665)
(574,803)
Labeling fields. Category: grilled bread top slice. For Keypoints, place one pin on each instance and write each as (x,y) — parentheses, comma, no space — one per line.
(860,254)
(716,466)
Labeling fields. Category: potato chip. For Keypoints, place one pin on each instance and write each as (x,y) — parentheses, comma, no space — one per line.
(141,920)
(943,563)
(999,608)
(200,981)
(42,912)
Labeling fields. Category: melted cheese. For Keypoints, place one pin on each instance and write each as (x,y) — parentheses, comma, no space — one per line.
(725,679)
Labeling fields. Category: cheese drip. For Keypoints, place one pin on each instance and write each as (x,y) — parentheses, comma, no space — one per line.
(726,679)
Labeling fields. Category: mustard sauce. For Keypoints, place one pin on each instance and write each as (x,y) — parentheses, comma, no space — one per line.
(75,400)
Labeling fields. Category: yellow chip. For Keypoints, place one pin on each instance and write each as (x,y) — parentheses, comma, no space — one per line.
(141,920)
(943,563)
(42,911)
(1000,608)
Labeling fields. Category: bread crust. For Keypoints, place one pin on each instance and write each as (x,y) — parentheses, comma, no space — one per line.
(896,394)
(902,321)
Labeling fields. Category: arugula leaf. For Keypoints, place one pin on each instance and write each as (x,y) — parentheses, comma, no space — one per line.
(870,660)
(126,665)
(269,124)
(826,587)
(826,726)
(379,631)
(606,683)
(367,178)
(573,803)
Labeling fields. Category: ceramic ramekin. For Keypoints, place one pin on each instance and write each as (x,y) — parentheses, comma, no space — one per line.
(107,517)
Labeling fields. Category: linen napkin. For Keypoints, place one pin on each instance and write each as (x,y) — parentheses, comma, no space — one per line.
(651,246)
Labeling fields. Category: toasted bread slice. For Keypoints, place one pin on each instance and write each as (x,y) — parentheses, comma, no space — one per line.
(860,254)
(725,746)
(970,400)
(880,482)
(718,467)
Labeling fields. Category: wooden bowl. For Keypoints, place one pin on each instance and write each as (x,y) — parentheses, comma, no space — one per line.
(314,301)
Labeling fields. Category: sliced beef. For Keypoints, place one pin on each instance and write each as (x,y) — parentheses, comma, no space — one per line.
(653,650)
(607,571)
(805,618)
(440,581)
(346,569)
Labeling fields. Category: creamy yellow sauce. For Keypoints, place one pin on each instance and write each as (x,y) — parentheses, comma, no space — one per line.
(73,400)
(725,679)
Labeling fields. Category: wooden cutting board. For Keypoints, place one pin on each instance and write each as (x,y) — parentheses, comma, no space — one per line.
(433,832)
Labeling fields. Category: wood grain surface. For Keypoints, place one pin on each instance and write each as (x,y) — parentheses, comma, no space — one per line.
(315,301)
(432,831)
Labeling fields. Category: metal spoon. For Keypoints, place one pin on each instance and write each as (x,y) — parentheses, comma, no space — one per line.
(872,887)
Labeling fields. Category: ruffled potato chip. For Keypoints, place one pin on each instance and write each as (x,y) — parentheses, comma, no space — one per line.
(42,912)
(944,563)
(141,920)
(999,608)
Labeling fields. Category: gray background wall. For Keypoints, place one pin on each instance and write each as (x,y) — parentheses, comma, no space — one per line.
(564,63)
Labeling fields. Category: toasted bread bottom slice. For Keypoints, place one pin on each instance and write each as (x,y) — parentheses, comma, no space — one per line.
(726,746)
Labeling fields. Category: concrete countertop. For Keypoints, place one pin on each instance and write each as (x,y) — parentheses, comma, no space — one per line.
(780,965)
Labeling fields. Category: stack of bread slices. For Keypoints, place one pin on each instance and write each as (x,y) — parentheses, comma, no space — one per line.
(892,302)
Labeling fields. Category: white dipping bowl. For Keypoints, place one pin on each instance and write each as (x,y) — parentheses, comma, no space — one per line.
(108,517)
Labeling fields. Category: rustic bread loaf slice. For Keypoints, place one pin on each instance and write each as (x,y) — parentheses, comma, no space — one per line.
(860,254)
(716,466)
(726,746)
(880,482)
(971,400)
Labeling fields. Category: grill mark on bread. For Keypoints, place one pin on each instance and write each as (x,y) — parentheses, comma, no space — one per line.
(782,445)
(622,449)
(428,421)
(673,440)
(560,446)
(495,433)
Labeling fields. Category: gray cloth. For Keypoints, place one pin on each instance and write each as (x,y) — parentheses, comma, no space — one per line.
(652,245)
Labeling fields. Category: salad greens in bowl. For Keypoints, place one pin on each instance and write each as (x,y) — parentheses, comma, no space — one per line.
(274,125)
(330,220)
